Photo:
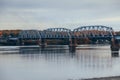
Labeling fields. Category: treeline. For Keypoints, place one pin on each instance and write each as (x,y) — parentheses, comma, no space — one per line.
(9,33)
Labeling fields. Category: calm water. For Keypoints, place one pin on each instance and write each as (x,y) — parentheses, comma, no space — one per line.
(57,63)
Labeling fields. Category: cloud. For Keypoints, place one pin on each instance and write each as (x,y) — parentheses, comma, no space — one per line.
(62,4)
(49,13)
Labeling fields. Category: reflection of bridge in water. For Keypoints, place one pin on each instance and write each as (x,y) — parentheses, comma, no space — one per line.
(91,34)
(95,60)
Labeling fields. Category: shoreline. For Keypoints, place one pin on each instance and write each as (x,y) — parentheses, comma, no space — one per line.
(105,78)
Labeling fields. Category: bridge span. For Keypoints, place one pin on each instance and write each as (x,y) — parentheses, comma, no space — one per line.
(96,33)
(91,32)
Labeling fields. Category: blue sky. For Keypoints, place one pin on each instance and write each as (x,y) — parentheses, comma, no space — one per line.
(42,14)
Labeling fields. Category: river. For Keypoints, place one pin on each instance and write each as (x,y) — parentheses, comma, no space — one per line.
(57,62)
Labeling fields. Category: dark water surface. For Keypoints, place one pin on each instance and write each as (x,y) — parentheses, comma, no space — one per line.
(57,63)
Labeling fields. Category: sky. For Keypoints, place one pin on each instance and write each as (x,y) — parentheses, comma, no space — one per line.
(43,14)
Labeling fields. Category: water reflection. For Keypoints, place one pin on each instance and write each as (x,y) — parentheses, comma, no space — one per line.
(39,63)
(115,53)
(84,58)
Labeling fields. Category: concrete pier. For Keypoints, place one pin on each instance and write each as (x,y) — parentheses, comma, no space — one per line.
(114,47)
(72,44)
(43,43)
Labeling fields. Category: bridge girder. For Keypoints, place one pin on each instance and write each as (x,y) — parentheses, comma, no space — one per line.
(57,33)
(80,32)
(93,31)
(29,34)
(58,29)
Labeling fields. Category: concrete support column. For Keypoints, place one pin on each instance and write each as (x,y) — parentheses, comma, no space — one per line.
(72,44)
(18,42)
(39,42)
(43,43)
(114,46)
(23,42)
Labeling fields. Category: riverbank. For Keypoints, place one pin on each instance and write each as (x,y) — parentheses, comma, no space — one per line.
(105,78)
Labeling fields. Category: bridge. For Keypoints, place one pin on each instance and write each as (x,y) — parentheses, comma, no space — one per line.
(96,33)
(92,34)
(81,32)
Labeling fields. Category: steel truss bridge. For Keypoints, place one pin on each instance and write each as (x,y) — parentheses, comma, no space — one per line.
(80,32)
(97,32)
